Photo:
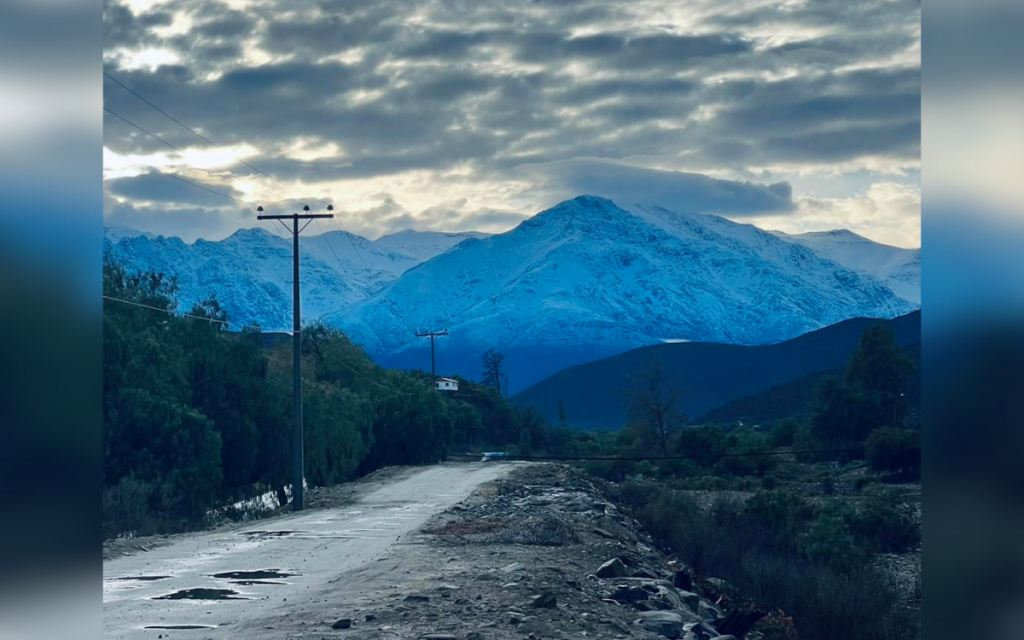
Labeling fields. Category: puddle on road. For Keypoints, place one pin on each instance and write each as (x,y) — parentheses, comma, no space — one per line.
(202,593)
(263,574)
(249,583)
(175,627)
(268,534)
(139,578)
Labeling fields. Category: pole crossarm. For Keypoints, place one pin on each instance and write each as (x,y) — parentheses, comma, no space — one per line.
(431,335)
(290,216)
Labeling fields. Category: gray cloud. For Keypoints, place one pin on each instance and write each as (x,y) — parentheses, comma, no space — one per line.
(156,187)
(630,185)
(492,89)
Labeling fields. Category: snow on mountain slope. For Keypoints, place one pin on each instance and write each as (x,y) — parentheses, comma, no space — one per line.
(897,267)
(251,271)
(115,234)
(424,245)
(587,278)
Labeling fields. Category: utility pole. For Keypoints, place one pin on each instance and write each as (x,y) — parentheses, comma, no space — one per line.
(431,335)
(298,464)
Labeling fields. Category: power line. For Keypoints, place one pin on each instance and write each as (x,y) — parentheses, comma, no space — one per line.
(151,135)
(189,315)
(355,249)
(197,134)
(180,150)
(199,186)
(365,377)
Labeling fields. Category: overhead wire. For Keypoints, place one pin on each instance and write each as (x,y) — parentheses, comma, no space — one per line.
(191,315)
(255,169)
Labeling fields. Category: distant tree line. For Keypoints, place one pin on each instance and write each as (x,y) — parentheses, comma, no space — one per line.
(197,417)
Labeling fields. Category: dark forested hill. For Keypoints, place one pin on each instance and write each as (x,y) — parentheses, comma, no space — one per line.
(712,374)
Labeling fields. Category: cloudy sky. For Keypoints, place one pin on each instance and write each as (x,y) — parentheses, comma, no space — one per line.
(796,115)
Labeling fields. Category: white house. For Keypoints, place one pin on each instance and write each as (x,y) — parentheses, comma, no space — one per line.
(446,384)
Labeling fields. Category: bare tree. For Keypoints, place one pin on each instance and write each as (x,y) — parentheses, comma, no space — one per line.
(492,369)
(654,403)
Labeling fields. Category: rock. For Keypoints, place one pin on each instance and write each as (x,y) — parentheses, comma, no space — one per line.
(515,618)
(545,600)
(417,598)
(475,635)
(682,580)
(699,631)
(663,623)
(532,625)
(620,625)
(342,623)
(438,636)
(515,566)
(691,600)
(724,638)
(614,568)
(604,534)
(370,617)
(722,587)
(629,595)
(711,613)
(645,573)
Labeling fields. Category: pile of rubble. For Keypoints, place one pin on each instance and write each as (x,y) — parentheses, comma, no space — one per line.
(545,555)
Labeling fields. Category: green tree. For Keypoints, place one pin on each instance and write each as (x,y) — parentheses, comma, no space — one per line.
(894,451)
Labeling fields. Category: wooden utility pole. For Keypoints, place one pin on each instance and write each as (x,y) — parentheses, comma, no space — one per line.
(298,464)
(431,335)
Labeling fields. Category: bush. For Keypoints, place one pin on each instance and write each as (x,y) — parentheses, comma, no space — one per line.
(882,526)
(829,542)
(894,451)
(784,433)
(126,509)
(769,482)
(774,549)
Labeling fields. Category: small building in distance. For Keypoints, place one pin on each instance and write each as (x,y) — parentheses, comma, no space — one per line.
(446,384)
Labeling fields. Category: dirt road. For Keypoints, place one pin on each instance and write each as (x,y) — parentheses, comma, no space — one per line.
(219,584)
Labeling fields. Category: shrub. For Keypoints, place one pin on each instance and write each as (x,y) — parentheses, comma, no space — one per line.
(882,526)
(126,509)
(894,451)
(777,516)
(863,482)
(769,482)
(829,542)
(784,433)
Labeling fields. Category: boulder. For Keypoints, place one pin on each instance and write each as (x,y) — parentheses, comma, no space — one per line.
(664,623)
(614,568)
(691,600)
(342,623)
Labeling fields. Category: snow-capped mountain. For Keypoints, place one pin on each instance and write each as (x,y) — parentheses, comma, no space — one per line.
(424,245)
(586,279)
(251,271)
(897,267)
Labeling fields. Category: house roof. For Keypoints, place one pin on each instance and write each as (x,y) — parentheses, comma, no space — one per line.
(446,380)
